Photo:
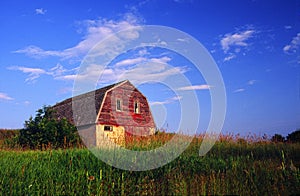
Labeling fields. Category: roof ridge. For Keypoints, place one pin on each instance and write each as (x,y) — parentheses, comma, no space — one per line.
(83,95)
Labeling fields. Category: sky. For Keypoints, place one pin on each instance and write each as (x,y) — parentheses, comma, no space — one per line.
(255,45)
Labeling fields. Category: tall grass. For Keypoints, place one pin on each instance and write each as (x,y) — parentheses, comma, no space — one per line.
(231,167)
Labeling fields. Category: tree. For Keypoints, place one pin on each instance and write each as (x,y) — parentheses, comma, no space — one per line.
(45,129)
(294,136)
(277,138)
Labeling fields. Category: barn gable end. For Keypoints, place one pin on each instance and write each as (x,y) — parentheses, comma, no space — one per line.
(121,110)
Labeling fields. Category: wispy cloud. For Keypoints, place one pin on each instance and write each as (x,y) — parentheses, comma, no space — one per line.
(183,39)
(245,87)
(136,70)
(58,70)
(91,73)
(40,11)
(130,61)
(37,52)
(287,27)
(293,46)
(35,73)
(27,102)
(71,77)
(194,87)
(161,60)
(141,59)
(251,82)
(4,96)
(239,90)
(23,103)
(168,101)
(155,69)
(234,43)
(230,57)
(238,39)
(94,31)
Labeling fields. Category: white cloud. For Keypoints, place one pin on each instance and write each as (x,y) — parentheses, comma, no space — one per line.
(183,39)
(238,39)
(152,103)
(130,61)
(251,82)
(239,90)
(149,71)
(162,60)
(58,70)
(287,27)
(230,57)
(40,11)
(4,96)
(90,73)
(168,101)
(35,73)
(27,103)
(36,52)
(136,70)
(176,98)
(67,77)
(143,52)
(195,87)
(293,46)
(94,32)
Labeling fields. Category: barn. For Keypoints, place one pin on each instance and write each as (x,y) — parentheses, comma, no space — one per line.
(121,110)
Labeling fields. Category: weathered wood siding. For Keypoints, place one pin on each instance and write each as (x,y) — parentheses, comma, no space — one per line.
(137,124)
(117,136)
(88,135)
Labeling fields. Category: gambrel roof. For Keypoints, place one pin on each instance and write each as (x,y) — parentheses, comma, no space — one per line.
(64,109)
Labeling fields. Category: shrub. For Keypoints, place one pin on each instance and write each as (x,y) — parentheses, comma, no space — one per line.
(277,138)
(45,130)
(294,136)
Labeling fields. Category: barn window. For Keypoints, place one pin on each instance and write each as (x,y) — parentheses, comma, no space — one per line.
(108,128)
(136,107)
(119,105)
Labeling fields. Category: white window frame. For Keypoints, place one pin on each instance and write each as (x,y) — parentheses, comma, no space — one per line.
(120,100)
(136,110)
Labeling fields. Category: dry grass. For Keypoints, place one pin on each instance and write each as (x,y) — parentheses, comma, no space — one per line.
(235,165)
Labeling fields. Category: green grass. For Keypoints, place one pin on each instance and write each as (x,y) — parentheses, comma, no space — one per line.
(229,168)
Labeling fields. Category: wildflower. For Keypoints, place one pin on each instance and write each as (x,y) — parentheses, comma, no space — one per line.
(91,178)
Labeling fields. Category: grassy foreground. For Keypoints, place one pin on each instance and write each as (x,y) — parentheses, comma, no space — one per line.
(231,167)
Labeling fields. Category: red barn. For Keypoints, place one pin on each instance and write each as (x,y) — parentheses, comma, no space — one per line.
(121,109)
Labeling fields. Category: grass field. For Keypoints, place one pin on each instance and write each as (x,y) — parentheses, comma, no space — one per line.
(231,167)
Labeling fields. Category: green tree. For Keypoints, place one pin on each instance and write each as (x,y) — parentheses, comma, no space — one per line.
(44,130)
(277,138)
(294,136)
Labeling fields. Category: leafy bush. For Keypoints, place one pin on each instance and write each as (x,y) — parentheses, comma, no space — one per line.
(294,136)
(8,133)
(45,130)
(9,138)
(277,138)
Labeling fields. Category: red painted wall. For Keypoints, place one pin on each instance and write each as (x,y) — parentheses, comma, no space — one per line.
(137,124)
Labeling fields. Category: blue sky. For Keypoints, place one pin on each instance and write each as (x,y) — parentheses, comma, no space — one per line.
(256,45)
